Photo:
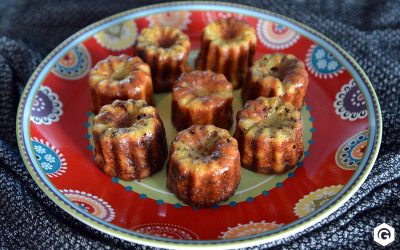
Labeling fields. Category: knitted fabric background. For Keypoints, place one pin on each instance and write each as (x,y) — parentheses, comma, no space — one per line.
(368,30)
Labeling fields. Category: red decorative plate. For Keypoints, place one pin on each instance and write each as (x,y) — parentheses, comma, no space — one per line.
(342,133)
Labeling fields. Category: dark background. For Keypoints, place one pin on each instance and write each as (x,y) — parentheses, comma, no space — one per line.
(368,30)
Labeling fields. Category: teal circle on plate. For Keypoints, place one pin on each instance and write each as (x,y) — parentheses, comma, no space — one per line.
(50,159)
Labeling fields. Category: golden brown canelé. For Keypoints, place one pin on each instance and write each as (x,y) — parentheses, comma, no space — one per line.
(277,75)
(129,140)
(166,50)
(227,47)
(204,165)
(202,97)
(269,133)
(120,77)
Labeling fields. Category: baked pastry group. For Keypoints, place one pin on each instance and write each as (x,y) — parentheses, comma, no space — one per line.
(204,159)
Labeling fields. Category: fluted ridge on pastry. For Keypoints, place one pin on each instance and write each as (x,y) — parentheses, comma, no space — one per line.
(269,133)
(129,140)
(228,47)
(166,50)
(204,165)
(120,77)
(277,75)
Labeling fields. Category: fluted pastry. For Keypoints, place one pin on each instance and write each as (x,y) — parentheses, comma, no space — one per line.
(202,97)
(166,50)
(129,140)
(277,75)
(227,47)
(204,165)
(269,133)
(120,77)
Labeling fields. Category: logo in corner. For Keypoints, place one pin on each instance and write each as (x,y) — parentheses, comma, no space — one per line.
(384,234)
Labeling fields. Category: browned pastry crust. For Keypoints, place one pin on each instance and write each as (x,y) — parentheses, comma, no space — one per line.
(227,47)
(269,132)
(166,50)
(204,165)
(277,75)
(120,77)
(202,97)
(129,140)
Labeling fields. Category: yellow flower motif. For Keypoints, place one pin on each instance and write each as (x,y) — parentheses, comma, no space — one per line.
(315,200)
(118,37)
(176,19)
(243,230)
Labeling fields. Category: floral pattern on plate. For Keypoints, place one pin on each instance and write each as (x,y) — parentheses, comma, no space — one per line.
(165,230)
(74,65)
(46,107)
(251,228)
(315,200)
(50,158)
(90,203)
(351,152)
(118,37)
(350,102)
(275,35)
(322,63)
(176,19)
(211,16)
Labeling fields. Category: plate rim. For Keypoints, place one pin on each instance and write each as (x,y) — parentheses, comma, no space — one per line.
(310,220)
